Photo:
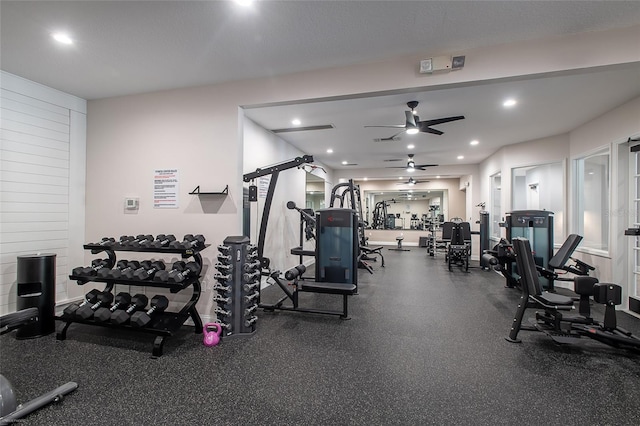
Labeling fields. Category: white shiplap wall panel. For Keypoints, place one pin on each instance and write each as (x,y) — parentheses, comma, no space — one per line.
(37,126)
(33,188)
(25,148)
(27,139)
(34,169)
(43,180)
(43,132)
(33,120)
(15,96)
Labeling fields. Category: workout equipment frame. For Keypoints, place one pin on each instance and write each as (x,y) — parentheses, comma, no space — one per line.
(10,411)
(561,328)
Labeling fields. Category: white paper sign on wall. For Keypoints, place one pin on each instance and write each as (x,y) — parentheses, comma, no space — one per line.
(165,189)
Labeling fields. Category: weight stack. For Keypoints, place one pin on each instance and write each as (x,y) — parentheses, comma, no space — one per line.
(237,287)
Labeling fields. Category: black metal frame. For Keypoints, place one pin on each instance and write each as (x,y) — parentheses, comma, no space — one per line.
(561,328)
(343,289)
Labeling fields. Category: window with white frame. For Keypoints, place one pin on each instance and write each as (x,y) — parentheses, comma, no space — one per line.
(495,210)
(591,218)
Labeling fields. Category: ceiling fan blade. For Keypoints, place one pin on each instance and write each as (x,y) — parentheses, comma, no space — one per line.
(419,166)
(393,126)
(426,129)
(428,123)
(411,120)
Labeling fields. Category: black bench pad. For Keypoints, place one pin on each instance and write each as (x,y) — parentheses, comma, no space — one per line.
(330,288)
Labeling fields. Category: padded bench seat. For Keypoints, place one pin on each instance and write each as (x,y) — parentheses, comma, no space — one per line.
(326,287)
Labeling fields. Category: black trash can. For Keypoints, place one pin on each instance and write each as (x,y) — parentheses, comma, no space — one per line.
(37,289)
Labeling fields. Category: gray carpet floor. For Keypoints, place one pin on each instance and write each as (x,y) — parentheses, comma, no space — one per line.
(424,346)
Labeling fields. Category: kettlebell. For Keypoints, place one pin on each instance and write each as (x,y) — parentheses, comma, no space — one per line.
(211,333)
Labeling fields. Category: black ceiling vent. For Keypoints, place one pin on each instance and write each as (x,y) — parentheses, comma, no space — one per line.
(303,128)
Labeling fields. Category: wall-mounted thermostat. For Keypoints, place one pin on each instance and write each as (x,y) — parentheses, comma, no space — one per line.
(131,204)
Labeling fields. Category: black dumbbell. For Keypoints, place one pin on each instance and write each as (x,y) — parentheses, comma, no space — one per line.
(126,272)
(141,241)
(124,240)
(142,319)
(163,276)
(91,297)
(106,241)
(122,300)
(138,302)
(189,241)
(87,311)
(148,269)
(96,265)
(163,240)
(191,269)
(104,272)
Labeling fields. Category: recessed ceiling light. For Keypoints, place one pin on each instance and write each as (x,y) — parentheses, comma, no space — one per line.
(411,146)
(474,142)
(366,178)
(296,122)
(411,190)
(345,162)
(399,177)
(460,157)
(509,103)
(329,151)
(438,177)
(244,2)
(62,38)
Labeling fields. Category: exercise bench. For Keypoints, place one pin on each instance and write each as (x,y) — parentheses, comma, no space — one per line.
(300,285)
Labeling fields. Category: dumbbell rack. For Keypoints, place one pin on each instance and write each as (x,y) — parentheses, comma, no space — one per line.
(163,324)
(237,287)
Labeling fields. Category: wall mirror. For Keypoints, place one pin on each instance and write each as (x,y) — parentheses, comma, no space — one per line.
(407,209)
(315,195)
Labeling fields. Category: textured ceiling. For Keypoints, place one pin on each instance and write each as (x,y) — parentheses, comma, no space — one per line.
(125,47)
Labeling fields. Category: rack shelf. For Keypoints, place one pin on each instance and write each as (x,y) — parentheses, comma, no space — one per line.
(197,191)
(163,324)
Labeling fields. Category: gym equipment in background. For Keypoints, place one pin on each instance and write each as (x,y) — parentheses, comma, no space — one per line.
(484,235)
(563,328)
(537,227)
(10,411)
(458,245)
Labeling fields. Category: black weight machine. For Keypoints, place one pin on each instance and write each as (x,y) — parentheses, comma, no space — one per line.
(343,288)
(347,195)
(503,259)
(457,237)
(10,411)
(553,321)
